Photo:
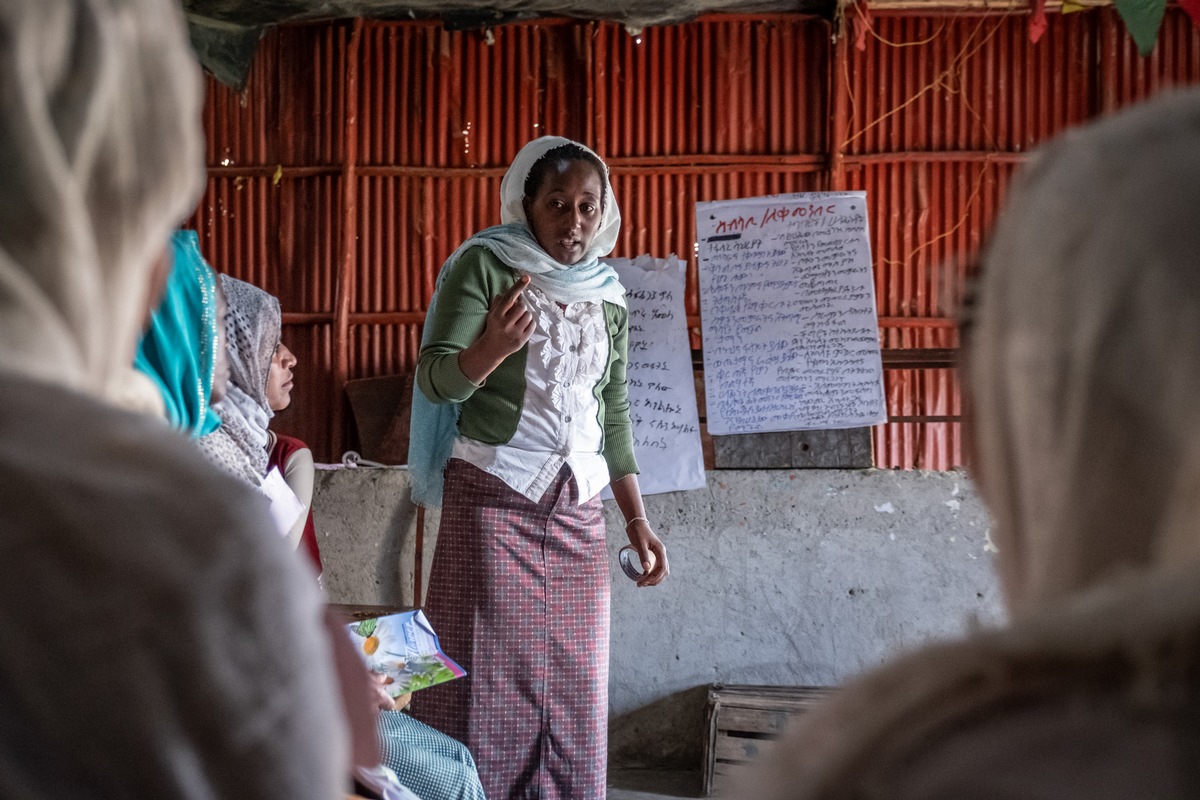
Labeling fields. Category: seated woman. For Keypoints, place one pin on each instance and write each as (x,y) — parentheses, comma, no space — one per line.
(125,669)
(185,353)
(260,383)
(1083,364)
(261,367)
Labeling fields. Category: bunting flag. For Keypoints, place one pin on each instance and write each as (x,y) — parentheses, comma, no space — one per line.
(1142,19)
(1037,22)
(862,24)
(1192,7)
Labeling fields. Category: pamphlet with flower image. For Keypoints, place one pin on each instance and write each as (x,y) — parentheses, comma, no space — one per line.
(404,648)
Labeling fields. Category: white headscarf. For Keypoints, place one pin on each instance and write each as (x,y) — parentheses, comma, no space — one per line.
(1084,365)
(514,243)
(434,426)
(512,195)
(252,325)
(100,157)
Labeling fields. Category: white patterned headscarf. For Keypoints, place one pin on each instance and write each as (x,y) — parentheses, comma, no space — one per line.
(100,158)
(252,324)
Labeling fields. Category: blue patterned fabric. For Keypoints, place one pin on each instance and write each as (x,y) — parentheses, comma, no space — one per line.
(430,763)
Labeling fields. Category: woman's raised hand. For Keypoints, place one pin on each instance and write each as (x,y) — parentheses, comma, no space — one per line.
(509,323)
(507,328)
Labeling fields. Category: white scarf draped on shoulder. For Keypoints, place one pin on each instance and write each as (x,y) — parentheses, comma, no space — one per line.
(434,426)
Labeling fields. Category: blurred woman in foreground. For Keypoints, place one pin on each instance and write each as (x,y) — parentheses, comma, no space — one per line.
(1083,362)
(154,644)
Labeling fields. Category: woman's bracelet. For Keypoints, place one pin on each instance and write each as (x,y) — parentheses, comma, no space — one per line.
(636,519)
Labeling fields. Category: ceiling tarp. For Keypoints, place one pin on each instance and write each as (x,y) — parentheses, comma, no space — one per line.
(635,14)
(225,32)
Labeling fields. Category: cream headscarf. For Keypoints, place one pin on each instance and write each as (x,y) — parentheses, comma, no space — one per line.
(1086,359)
(514,243)
(100,157)
(1084,366)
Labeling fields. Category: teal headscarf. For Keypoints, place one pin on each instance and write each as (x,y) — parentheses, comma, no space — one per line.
(178,350)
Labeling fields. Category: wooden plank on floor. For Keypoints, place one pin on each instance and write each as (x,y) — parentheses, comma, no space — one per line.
(729,777)
(771,703)
(752,720)
(737,748)
(743,723)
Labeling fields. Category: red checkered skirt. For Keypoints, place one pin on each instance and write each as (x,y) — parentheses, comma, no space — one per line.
(519,596)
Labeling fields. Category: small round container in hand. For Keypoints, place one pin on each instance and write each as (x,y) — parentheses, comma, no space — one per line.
(631,562)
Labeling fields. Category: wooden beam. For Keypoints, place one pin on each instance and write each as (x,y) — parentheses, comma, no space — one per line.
(345,278)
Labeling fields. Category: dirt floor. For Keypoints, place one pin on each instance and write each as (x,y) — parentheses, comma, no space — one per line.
(649,784)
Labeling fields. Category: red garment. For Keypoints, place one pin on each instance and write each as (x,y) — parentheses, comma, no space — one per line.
(284,447)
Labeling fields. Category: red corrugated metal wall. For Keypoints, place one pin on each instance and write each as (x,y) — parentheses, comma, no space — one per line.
(363,152)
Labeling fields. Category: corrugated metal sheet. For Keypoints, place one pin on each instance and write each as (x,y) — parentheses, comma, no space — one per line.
(940,109)
(434,99)
(722,87)
(272,213)
(928,221)
(364,152)
(969,83)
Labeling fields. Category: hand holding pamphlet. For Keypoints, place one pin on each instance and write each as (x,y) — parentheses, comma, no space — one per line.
(404,649)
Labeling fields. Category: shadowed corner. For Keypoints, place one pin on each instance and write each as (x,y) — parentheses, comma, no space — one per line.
(656,750)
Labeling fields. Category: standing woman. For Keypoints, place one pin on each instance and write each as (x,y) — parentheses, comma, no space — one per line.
(520,419)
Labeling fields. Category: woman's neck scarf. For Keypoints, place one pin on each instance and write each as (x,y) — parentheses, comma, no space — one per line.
(96,176)
(178,350)
(252,325)
(434,425)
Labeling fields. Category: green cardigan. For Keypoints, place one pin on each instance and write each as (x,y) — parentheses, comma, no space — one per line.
(491,412)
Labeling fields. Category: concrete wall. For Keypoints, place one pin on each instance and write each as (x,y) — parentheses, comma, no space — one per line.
(777,577)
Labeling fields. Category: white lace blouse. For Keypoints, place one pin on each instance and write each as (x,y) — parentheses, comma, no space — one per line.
(559,423)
